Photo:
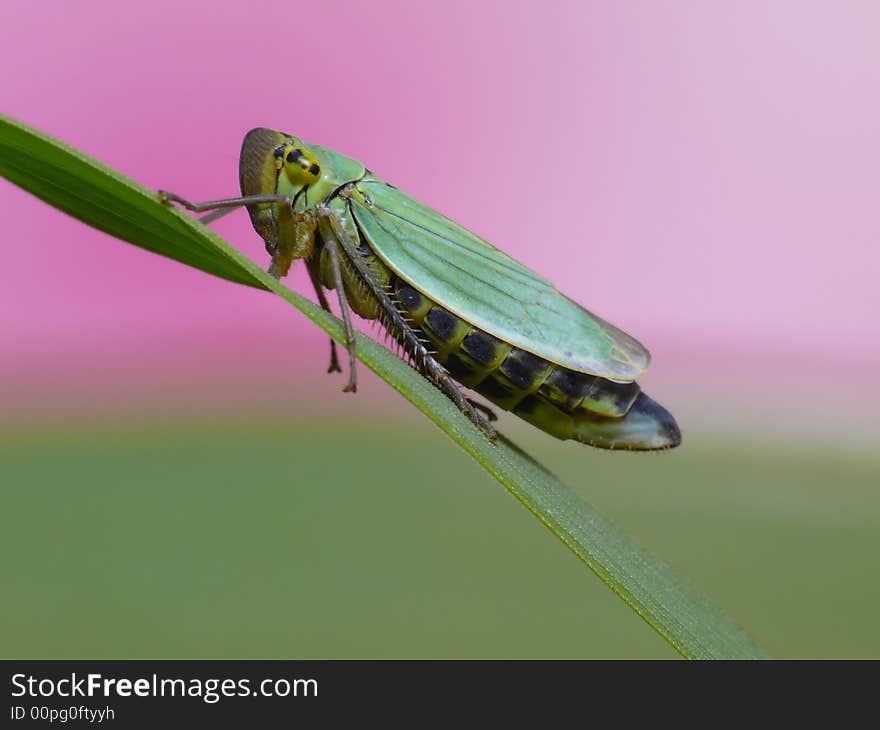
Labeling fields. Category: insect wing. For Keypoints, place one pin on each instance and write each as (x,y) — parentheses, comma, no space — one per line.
(484,286)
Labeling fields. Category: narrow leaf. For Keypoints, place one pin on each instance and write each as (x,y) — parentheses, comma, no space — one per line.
(105,199)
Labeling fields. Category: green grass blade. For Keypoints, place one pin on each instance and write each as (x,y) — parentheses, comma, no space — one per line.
(101,197)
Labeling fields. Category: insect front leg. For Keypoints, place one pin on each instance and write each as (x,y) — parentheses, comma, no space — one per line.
(215,205)
(315,276)
(401,330)
(332,248)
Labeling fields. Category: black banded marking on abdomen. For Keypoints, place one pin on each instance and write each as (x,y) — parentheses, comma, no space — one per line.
(525,370)
(569,390)
(445,330)
(442,324)
(509,376)
(413,302)
(566,388)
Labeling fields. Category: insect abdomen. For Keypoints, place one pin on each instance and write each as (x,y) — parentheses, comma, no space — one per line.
(547,395)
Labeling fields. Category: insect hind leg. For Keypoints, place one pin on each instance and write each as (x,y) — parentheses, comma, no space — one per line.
(484,409)
(400,329)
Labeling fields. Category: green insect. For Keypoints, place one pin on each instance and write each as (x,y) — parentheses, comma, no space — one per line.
(461,309)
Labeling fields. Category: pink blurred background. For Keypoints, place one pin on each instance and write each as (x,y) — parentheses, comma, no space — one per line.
(703,174)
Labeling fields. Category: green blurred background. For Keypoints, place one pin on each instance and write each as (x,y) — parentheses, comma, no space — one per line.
(295,532)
